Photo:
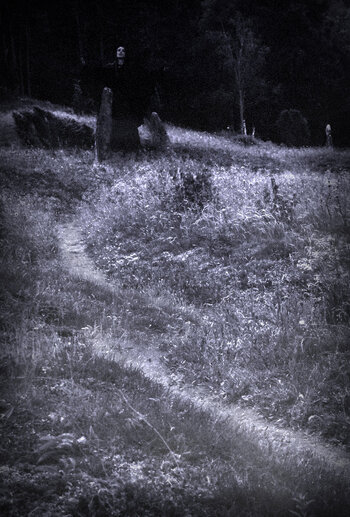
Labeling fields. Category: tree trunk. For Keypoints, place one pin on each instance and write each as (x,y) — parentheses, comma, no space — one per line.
(241,112)
(20,72)
(29,86)
(5,51)
(15,66)
(79,36)
(102,50)
(240,87)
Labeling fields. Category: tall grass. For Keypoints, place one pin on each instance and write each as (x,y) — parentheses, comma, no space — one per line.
(262,263)
(25,258)
(242,286)
(75,424)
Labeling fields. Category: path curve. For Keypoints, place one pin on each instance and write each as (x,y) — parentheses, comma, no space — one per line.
(270,439)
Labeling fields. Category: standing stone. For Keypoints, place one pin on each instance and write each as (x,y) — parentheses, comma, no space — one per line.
(104,125)
(42,128)
(329,141)
(44,125)
(159,135)
(26,129)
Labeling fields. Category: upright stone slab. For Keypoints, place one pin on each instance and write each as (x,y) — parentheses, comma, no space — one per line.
(329,141)
(41,128)
(104,125)
(26,129)
(159,135)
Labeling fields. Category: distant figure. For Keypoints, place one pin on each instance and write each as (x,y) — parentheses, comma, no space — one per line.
(329,141)
(132,88)
(120,56)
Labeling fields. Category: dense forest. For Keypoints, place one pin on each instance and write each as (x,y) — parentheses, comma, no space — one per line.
(219,63)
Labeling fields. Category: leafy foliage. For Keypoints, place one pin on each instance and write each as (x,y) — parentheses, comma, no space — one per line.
(293,128)
(186,47)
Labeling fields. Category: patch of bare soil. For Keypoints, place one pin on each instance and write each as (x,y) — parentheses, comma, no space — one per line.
(271,439)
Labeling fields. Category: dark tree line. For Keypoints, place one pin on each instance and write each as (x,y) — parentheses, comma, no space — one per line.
(220,63)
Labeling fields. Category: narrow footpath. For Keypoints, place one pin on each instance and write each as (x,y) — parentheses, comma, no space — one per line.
(271,440)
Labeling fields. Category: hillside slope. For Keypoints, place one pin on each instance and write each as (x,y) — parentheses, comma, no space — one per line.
(174,330)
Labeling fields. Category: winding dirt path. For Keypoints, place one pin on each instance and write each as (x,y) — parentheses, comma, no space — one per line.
(270,439)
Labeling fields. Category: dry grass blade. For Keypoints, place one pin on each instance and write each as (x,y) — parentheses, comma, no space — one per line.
(142,418)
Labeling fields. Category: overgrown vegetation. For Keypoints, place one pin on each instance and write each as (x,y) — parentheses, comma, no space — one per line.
(232,260)
(255,246)
(293,128)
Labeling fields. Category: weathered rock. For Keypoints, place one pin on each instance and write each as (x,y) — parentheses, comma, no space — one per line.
(329,140)
(159,135)
(41,128)
(43,123)
(26,129)
(104,125)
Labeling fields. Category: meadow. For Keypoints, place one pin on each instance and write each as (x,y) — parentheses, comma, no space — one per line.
(230,258)
(252,242)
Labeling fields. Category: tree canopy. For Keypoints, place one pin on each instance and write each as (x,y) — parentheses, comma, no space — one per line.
(220,61)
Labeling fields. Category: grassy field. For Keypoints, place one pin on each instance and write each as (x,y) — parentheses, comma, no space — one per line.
(253,243)
(232,259)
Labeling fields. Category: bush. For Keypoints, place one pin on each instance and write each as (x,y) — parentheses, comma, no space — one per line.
(193,189)
(293,128)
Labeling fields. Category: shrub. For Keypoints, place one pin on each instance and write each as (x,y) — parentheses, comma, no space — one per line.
(193,189)
(293,128)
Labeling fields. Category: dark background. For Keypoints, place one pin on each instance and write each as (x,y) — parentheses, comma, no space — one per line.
(276,55)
